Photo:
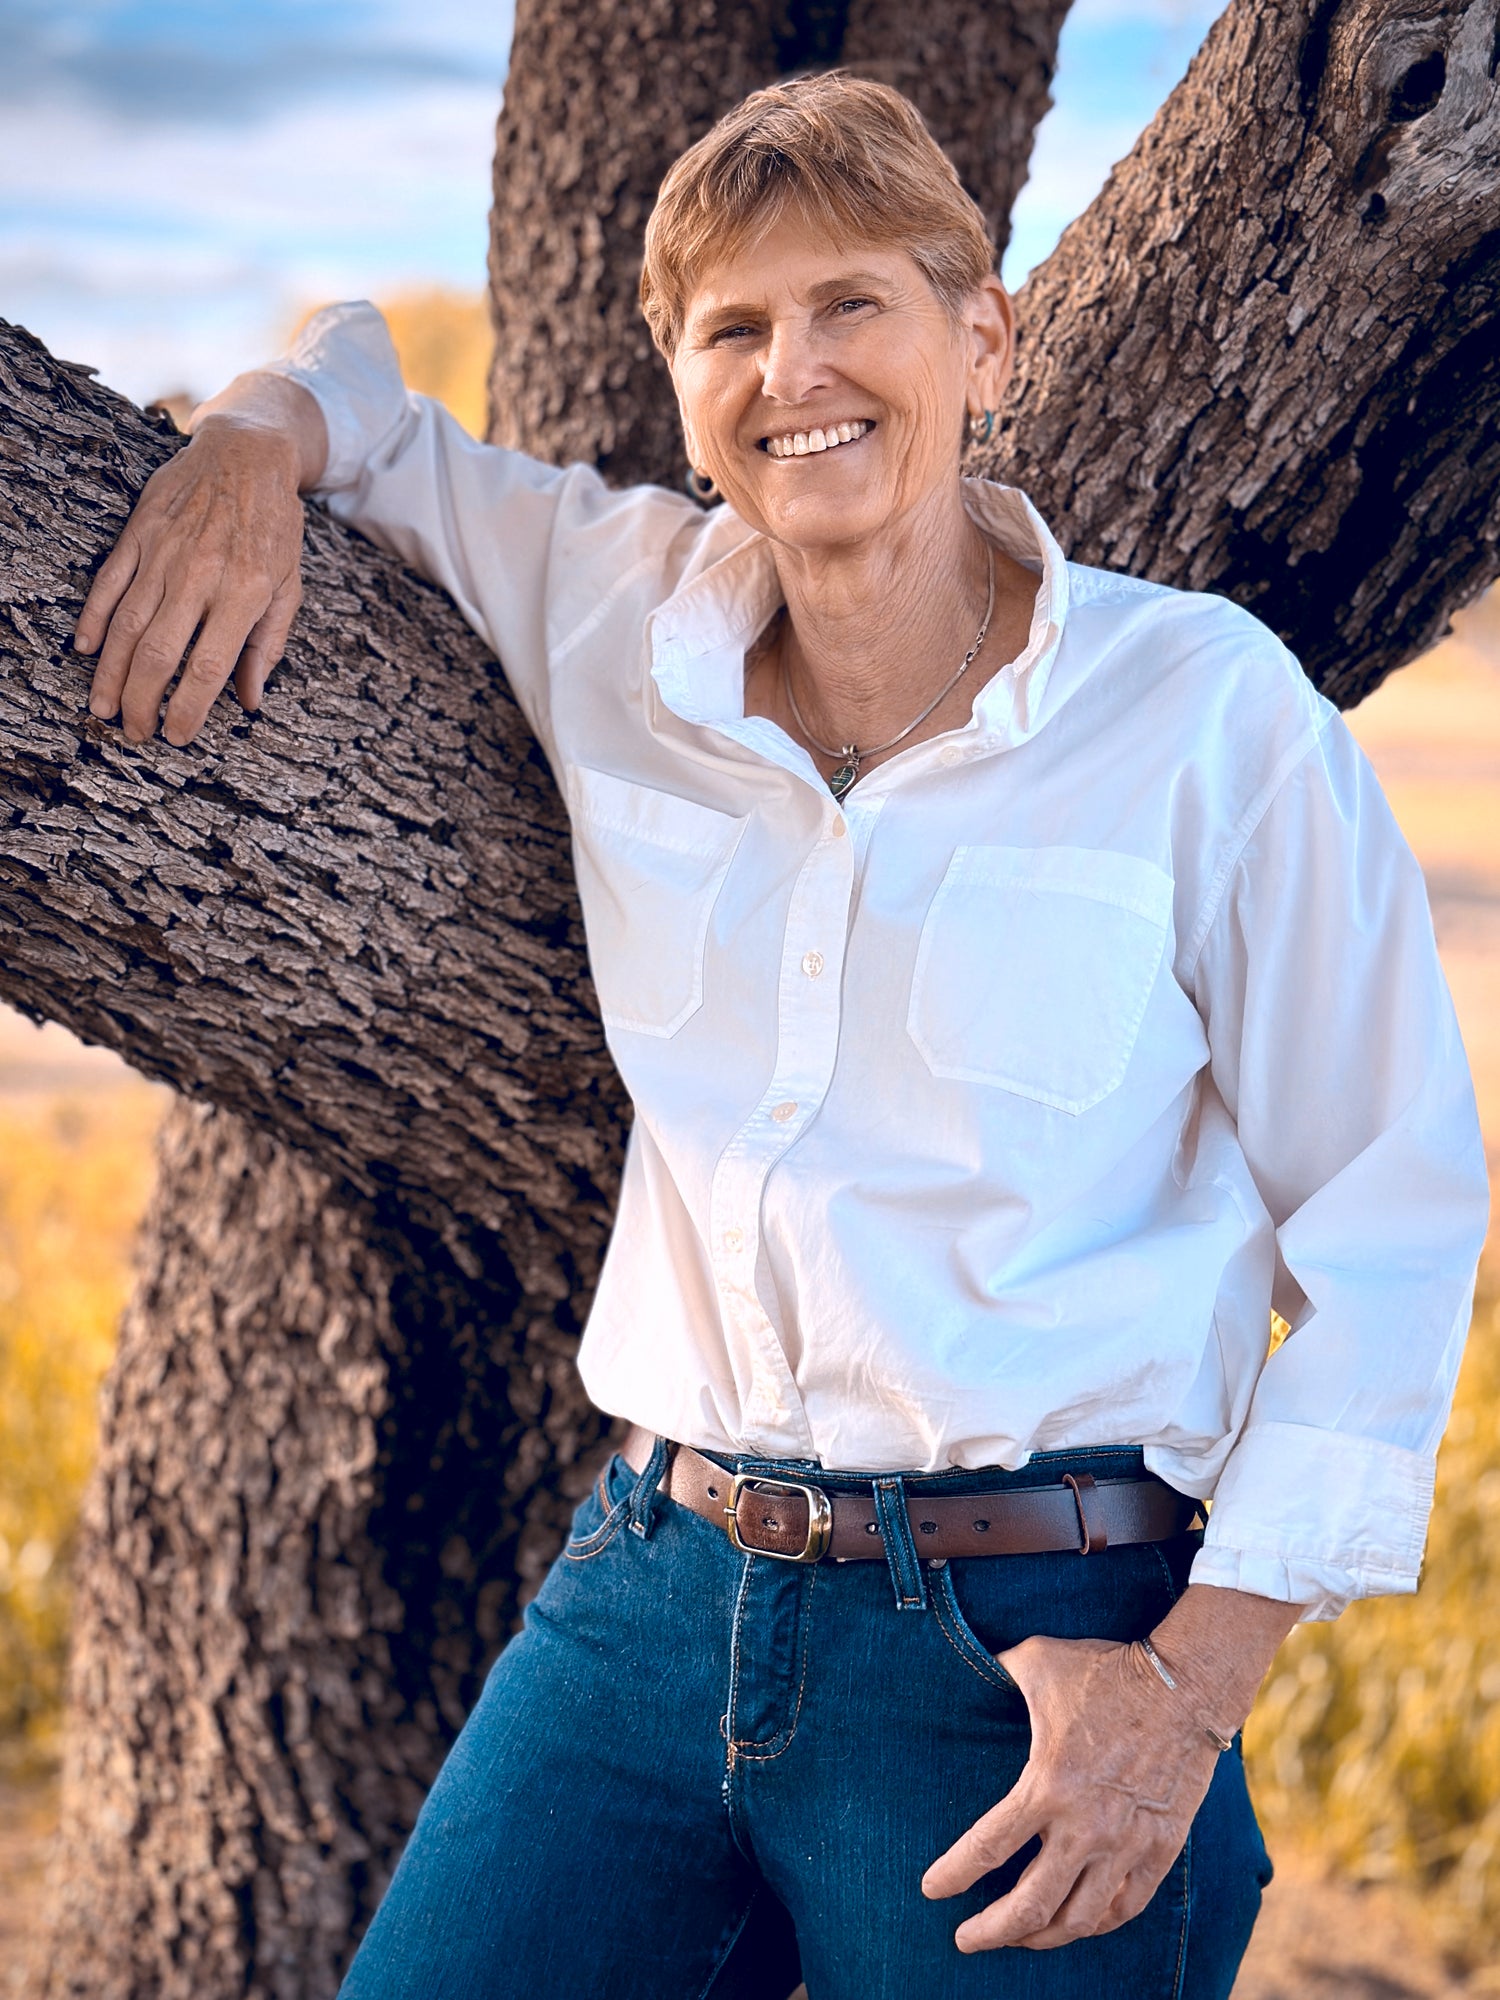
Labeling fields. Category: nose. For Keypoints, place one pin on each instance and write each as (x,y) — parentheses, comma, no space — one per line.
(792,367)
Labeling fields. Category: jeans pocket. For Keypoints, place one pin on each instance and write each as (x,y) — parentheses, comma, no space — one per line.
(600,1516)
(960,1635)
(987,1604)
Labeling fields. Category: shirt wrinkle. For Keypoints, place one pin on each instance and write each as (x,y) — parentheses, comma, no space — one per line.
(962,1112)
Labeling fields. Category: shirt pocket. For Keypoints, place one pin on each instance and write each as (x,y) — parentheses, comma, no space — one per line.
(650,867)
(1034,969)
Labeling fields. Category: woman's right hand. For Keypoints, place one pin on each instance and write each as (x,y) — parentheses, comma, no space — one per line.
(213,547)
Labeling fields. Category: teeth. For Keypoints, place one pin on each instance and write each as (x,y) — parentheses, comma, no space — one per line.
(801,444)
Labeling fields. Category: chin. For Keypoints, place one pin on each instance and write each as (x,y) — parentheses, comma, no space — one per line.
(821,522)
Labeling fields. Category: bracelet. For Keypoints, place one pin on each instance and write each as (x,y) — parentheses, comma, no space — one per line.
(1220,1742)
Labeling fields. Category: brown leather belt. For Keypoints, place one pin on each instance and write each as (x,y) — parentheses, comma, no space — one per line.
(797,1521)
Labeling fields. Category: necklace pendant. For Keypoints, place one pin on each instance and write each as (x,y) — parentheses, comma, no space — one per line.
(844,776)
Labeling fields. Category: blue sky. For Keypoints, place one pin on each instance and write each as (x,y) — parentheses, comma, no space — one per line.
(181,179)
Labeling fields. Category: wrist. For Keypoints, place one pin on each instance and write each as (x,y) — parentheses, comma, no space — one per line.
(277,419)
(1222,1739)
(1218,1645)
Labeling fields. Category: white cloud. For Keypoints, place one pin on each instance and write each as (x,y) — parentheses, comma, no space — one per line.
(174,254)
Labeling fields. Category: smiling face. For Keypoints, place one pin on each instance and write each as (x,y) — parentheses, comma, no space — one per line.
(825,389)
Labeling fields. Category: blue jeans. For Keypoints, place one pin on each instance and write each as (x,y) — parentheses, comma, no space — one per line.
(687,1754)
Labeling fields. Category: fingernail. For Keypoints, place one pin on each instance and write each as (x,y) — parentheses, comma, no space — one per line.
(100,707)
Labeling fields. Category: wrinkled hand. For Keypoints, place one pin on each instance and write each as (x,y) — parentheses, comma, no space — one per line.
(214,547)
(1118,1768)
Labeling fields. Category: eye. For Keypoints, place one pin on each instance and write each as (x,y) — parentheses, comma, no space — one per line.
(722,335)
(844,308)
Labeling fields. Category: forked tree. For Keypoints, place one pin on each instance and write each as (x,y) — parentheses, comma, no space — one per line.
(343,1431)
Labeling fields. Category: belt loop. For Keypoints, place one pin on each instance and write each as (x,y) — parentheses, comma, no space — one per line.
(900,1547)
(641,1507)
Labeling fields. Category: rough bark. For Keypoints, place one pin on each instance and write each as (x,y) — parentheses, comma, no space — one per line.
(318,1489)
(601,101)
(349,923)
(350,918)
(1267,360)
(343,1431)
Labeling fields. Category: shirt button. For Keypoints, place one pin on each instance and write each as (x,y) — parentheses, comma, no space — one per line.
(782,1112)
(812,963)
(839,829)
(734,1239)
(951,756)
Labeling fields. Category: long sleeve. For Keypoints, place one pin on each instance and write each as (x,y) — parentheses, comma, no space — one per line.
(1335,1048)
(530,554)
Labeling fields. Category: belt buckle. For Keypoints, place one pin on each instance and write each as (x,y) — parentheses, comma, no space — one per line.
(819,1517)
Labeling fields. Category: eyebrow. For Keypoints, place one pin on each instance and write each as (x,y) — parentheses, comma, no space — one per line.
(849,281)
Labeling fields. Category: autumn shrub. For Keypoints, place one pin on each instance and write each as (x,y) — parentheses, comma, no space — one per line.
(74,1176)
(1376,1740)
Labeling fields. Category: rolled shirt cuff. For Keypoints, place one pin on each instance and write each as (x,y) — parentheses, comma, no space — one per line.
(1317,1518)
(344,358)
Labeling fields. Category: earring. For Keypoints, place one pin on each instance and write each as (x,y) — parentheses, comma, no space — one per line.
(700,487)
(981,427)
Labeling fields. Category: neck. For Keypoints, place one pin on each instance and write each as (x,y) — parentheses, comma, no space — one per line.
(875,629)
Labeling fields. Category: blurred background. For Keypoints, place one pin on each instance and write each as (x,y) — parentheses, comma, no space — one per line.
(181,181)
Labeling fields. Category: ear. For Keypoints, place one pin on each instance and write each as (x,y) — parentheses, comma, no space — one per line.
(690,443)
(990,326)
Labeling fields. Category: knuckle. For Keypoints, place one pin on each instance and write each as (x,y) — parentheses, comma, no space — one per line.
(989,1845)
(1031,1913)
(204,671)
(129,621)
(154,657)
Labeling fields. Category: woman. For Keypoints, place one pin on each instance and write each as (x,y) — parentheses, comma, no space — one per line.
(1022,987)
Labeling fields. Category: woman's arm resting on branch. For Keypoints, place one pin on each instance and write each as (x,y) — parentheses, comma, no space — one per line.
(1119,1765)
(213,547)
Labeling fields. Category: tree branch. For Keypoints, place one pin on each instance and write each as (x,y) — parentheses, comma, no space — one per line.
(350,919)
(1267,360)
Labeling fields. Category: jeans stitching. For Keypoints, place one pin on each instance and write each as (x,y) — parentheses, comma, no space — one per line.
(596,1543)
(757,1753)
(737,1832)
(901,1552)
(1166,1570)
(723,1956)
(1187,1898)
(954,1628)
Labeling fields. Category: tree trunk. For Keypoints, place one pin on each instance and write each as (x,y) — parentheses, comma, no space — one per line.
(350,924)
(331,1456)
(343,1431)
(1267,360)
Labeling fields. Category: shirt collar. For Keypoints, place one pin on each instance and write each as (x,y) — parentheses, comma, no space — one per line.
(699,636)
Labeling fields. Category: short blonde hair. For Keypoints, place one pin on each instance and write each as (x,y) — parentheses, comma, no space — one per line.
(850,155)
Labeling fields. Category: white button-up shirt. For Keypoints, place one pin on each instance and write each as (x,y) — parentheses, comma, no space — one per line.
(991,1111)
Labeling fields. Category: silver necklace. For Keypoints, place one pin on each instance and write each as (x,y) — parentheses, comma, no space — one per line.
(849,755)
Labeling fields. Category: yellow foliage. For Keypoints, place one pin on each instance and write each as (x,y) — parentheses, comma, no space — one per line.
(444,341)
(74,1177)
(1376,1739)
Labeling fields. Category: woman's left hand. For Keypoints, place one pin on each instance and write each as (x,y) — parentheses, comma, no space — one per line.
(1118,1768)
